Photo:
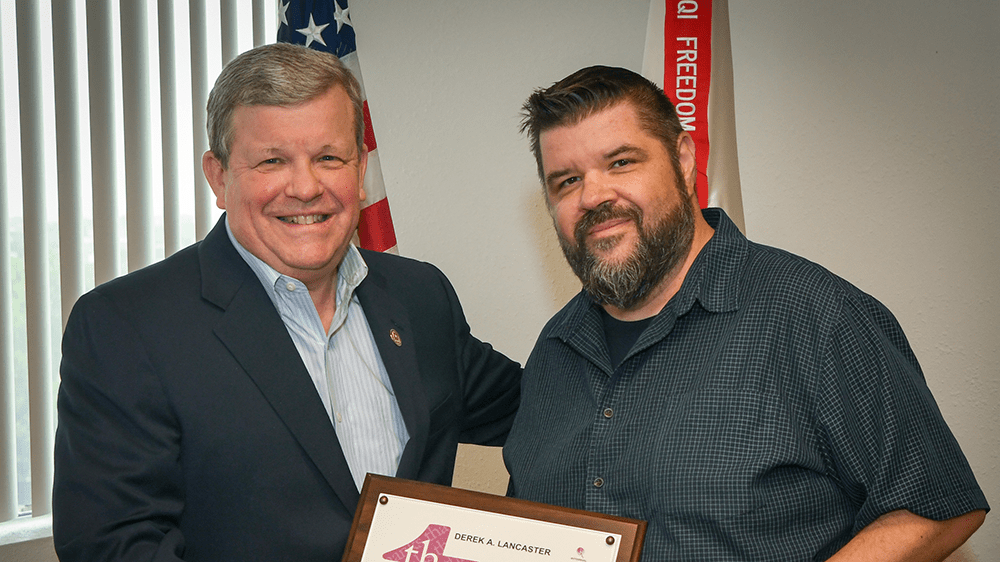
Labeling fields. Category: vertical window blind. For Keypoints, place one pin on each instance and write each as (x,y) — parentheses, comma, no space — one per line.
(102,130)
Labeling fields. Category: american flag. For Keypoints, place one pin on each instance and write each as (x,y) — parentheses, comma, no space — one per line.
(326,25)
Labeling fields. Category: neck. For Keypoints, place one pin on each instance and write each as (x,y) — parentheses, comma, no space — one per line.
(324,296)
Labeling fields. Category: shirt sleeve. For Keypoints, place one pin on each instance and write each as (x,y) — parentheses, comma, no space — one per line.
(885,441)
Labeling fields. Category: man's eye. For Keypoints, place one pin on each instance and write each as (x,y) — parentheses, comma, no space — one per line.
(621,162)
(569,181)
(271,161)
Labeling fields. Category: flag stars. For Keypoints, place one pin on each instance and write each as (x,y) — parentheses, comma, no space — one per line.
(282,9)
(313,32)
(342,15)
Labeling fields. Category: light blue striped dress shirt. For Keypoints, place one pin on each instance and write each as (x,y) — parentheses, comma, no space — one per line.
(343,363)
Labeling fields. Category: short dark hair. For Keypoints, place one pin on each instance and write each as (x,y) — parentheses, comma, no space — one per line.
(593,89)
(278,74)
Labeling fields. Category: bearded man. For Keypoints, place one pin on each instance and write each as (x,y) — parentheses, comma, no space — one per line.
(748,404)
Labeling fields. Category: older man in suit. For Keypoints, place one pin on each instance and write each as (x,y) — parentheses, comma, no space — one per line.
(227,402)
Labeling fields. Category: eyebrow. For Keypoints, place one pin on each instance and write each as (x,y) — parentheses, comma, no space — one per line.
(624,149)
(324,148)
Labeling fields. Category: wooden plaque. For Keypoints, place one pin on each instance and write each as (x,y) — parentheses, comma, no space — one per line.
(406,521)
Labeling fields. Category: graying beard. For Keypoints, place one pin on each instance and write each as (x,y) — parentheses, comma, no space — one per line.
(625,284)
(620,285)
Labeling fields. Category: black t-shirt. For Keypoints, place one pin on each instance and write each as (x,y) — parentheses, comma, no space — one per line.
(621,335)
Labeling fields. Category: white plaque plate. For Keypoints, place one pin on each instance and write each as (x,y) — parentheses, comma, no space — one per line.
(405,521)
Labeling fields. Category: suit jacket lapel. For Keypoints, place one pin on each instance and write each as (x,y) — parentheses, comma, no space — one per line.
(385,314)
(253,332)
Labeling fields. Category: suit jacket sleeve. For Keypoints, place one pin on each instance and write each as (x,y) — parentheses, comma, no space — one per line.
(491,383)
(469,390)
(118,481)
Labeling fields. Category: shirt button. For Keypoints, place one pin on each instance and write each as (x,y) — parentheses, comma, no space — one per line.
(608,412)
(598,482)
(290,286)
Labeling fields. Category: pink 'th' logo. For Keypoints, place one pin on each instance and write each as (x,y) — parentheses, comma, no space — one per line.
(428,547)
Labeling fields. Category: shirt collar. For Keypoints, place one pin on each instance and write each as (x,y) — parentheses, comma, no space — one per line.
(714,277)
(351,272)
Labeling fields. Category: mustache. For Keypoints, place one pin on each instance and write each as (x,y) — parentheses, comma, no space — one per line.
(602,213)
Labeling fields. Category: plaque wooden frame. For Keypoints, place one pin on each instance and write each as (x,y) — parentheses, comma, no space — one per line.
(632,531)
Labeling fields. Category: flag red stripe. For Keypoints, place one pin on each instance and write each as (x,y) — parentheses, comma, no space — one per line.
(369,130)
(375,230)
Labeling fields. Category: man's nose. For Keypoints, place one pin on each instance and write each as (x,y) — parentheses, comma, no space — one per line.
(596,191)
(305,184)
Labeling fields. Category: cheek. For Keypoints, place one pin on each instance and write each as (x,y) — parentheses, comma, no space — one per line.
(257,196)
(345,186)
(245,206)
(565,223)
(352,191)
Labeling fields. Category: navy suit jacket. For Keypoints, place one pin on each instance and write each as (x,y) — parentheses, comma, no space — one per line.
(189,428)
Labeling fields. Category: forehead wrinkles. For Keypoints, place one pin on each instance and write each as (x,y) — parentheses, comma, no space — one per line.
(275,129)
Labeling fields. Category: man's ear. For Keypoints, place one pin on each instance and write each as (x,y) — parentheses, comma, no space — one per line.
(215,173)
(686,158)
(362,168)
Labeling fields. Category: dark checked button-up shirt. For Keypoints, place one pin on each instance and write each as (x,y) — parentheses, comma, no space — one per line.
(770,411)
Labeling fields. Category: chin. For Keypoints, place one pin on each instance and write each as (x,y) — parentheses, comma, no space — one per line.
(614,256)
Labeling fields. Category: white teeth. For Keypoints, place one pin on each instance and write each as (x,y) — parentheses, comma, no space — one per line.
(304,219)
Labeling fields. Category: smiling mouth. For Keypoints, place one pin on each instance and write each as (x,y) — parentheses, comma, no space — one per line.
(601,228)
(303,219)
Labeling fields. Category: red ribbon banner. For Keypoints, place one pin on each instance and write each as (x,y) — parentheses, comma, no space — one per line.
(687,73)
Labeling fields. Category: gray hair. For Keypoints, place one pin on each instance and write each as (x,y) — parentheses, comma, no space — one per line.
(280,74)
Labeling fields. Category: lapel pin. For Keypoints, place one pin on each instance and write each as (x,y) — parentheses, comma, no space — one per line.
(394,336)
